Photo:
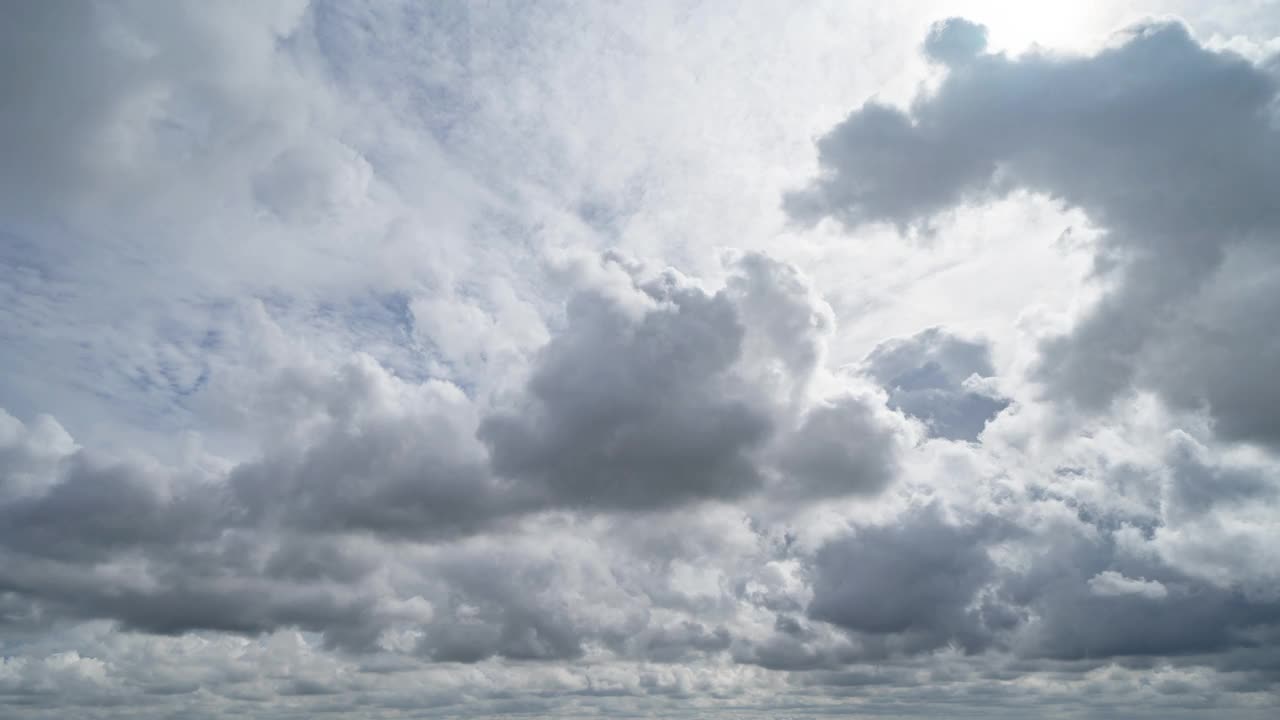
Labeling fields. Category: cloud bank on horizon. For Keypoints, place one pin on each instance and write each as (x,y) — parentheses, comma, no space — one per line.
(554,360)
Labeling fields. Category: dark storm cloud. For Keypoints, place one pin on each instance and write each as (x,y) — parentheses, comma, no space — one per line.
(1171,148)
(926,375)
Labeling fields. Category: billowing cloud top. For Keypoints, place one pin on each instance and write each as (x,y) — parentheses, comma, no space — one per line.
(387,360)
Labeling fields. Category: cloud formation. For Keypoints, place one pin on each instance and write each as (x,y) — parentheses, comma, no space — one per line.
(1169,147)
(374,359)
(940,379)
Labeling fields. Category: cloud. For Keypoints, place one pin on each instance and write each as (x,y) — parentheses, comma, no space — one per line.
(1035,591)
(1110,583)
(29,454)
(1197,484)
(842,447)
(366,407)
(504,608)
(1168,146)
(915,582)
(116,507)
(142,96)
(671,394)
(637,412)
(1090,599)
(382,455)
(955,41)
(938,378)
(654,394)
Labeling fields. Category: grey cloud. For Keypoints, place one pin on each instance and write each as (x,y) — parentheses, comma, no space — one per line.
(676,402)
(504,604)
(310,558)
(1212,353)
(389,479)
(635,413)
(176,598)
(29,454)
(841,448)
(786,324)
(681,642)
(785,652)
(922,583)
(926,376)
(98,509)
(1197,485)
(283,541)
(381,455)
(913,582)
(122,101)
(372,542)
(515,633)
(1169,147)
(1088,600)
(642,403)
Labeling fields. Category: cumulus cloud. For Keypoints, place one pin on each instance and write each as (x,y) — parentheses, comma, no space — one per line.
(914,583)
(653,399)
(1167,145)
(842,447)
(664,396)
(1141,606)
(636,412)
(940,379)
(382,455)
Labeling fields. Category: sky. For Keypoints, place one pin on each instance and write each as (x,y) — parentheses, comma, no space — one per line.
(388,359)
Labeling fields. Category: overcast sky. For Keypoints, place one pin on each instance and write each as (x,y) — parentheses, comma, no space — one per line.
(385,359)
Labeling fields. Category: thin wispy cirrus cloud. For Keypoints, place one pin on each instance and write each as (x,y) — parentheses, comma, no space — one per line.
(556,359)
